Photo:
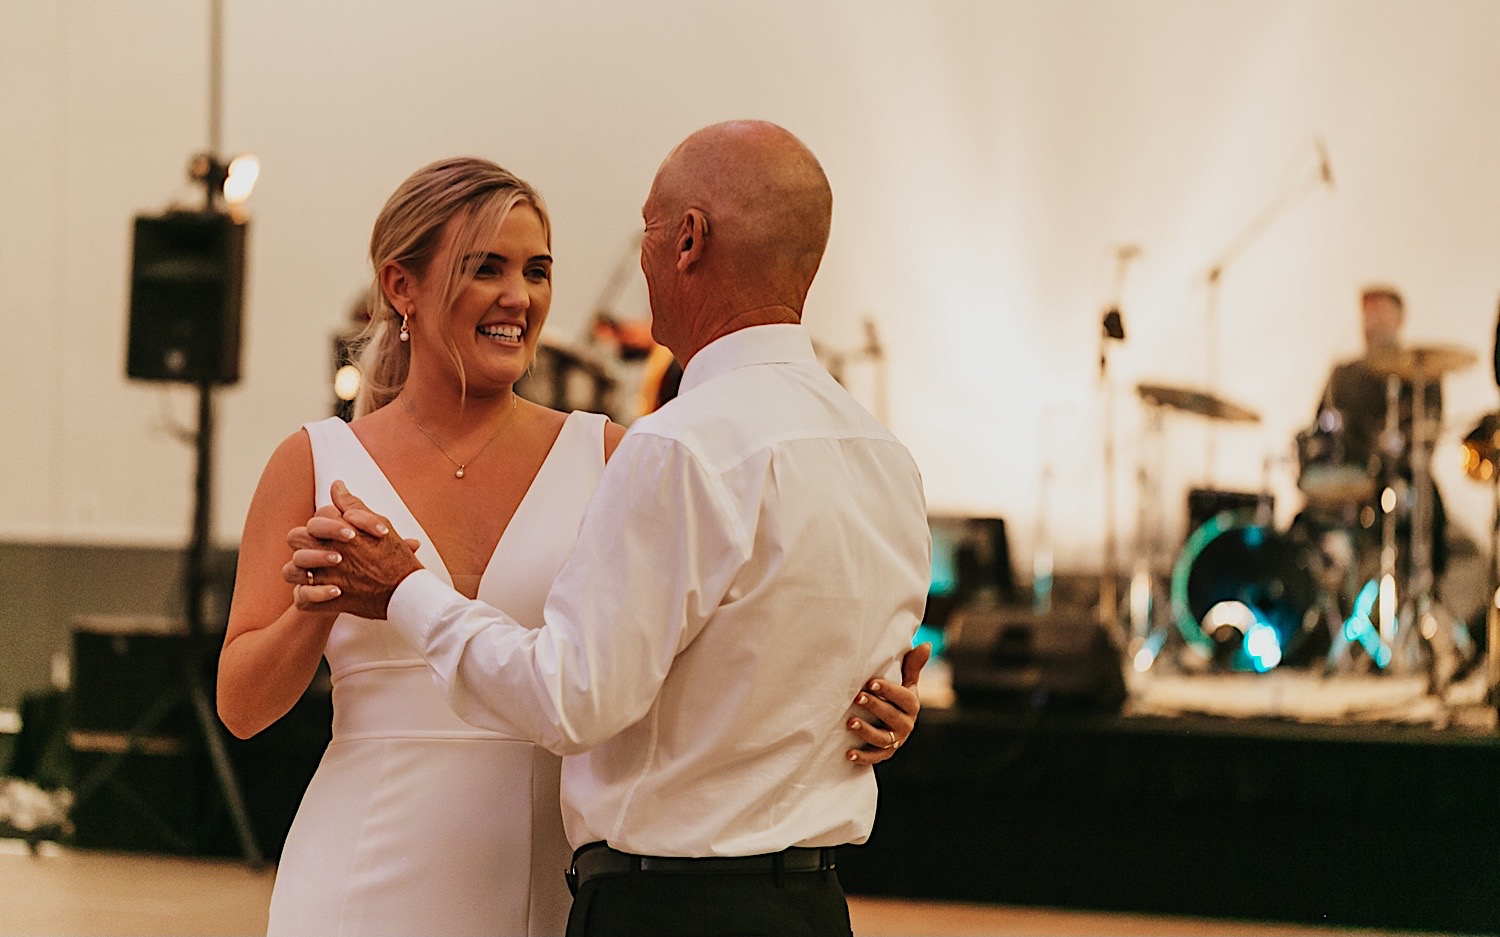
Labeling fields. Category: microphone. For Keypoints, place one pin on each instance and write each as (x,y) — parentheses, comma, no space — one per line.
(1325,167)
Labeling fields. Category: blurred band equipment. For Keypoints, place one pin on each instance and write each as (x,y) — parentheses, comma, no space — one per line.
(1302,185)
(1015,659)
(1151,625)
(568,377)
(1330,472)
(1422,363)
(1481,448)
(1111,330)
(1201,403)
(1421,620)
(1482,463)
(1241,592)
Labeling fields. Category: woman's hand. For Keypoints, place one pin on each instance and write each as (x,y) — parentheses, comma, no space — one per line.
(891,710)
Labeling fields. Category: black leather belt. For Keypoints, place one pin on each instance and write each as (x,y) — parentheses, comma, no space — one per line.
(597,859)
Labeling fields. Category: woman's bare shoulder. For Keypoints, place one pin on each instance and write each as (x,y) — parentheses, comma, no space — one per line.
(613,433)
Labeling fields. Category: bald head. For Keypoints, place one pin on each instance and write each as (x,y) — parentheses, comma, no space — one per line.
(766,200)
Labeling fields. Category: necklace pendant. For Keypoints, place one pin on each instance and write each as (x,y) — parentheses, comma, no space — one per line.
(459,473)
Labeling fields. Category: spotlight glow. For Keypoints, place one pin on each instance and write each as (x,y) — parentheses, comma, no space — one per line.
(243,171)
(346,382)
(1263,646)
(1236,615)
(1388,608)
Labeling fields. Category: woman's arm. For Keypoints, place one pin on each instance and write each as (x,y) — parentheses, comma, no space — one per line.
(613,433)
(271,648)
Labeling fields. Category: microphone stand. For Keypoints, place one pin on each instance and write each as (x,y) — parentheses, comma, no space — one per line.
(1111,329)
(1323,175)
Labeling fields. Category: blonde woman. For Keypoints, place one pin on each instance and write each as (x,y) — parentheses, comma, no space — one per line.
(416,822)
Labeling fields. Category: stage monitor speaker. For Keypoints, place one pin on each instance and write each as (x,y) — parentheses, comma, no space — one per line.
(1015,659)
(187,279)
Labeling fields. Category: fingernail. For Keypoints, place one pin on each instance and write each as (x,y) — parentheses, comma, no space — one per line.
(383,529)
(347,534)
(852,756)
(335,558)
(874,687)
(336,591)
(861,699)
(854,724)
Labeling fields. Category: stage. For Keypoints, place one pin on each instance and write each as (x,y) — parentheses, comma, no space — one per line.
(1352,801)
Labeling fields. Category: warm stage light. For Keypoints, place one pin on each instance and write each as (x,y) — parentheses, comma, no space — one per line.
(346,382)
(231,183)
(243,171)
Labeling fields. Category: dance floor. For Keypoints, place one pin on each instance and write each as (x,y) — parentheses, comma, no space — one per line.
(72,892)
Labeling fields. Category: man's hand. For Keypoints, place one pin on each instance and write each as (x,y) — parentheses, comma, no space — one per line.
(893,711)
(347,559)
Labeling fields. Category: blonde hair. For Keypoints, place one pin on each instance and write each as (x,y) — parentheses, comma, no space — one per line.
(409,231)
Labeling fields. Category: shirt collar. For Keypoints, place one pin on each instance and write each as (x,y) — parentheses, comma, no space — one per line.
(757,344)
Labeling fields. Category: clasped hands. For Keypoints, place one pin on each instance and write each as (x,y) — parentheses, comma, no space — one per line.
(347,558)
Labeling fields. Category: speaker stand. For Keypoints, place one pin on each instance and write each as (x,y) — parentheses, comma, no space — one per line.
(191,686)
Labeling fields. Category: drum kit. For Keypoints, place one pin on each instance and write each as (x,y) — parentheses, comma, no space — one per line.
(1349,586)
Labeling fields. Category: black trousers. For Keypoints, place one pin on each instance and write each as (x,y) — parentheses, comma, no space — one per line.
(651,904)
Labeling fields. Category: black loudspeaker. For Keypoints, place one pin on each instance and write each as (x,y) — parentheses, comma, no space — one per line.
(187,280)
(1205,503)
(1007,658)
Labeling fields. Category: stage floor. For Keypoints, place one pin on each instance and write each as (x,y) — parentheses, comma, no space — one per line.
(1354,800)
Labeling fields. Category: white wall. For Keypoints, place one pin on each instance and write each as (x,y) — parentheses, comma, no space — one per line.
(986,160)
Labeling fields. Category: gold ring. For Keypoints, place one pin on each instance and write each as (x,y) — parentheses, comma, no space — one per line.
(894,743)
(310,577)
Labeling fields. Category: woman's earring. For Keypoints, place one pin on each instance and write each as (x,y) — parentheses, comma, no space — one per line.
(405,335)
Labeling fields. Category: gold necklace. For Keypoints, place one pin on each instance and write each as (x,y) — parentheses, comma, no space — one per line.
(461,465)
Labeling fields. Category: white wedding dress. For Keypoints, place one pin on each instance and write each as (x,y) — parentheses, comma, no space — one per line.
(416,822)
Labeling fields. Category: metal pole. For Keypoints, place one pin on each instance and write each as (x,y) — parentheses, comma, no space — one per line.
(215,76)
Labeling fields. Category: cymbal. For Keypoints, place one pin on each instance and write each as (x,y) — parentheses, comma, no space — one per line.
(1196,401)
(1426,361)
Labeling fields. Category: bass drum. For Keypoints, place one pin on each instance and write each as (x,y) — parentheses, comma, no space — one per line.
(1241,593)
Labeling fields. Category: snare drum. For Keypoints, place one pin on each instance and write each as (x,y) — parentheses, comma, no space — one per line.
(1328,472)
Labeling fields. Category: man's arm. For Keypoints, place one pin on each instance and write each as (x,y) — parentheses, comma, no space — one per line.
(656,552)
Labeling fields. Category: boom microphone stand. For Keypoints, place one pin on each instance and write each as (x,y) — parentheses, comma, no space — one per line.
(1283,200)
(1111,329)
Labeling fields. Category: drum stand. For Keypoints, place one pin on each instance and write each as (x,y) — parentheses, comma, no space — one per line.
(1147,611)
(1425,632)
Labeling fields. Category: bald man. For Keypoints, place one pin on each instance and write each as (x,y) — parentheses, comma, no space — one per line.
(755,549)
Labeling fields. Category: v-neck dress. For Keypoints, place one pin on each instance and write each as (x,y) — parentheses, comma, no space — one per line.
(416,822)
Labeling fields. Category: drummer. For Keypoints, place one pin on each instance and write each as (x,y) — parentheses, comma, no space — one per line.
(1353,404)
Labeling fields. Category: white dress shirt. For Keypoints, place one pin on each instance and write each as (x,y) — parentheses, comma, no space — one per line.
(755,551)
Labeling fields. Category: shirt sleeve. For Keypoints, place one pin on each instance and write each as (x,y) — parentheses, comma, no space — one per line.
(657,550)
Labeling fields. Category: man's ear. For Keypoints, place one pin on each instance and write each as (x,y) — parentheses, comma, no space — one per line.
(692,238)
